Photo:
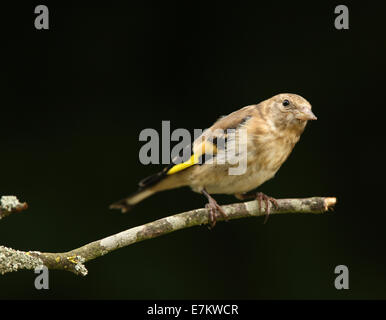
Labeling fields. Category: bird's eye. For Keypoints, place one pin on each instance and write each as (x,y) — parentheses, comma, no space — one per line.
(286,103)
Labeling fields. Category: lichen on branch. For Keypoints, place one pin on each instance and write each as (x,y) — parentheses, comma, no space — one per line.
(9,205)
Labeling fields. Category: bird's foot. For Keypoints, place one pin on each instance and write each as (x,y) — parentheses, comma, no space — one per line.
(214,209)
(260,197)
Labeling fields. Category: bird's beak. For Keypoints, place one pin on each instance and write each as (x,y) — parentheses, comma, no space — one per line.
(306,114)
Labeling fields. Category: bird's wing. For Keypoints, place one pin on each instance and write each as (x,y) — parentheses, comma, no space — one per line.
(215,139)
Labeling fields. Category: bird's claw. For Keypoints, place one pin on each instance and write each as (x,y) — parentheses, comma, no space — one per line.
(267,199)
(214,208)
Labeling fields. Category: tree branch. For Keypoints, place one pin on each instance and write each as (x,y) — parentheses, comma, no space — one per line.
(13,260)
(9,205)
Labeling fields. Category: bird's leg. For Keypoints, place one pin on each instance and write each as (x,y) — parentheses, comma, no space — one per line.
(213,208)
(259,196)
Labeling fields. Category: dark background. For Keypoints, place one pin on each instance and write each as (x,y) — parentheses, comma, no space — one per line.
(75,98)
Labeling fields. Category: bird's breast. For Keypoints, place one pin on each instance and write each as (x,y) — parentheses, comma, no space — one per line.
(271,155)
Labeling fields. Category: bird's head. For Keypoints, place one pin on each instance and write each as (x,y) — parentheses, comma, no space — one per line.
(290,110)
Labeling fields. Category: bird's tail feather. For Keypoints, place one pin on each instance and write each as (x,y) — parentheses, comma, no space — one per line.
(160,181)
(126,204)
(147,187)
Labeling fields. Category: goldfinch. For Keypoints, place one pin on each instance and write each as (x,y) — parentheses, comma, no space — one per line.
(261,136)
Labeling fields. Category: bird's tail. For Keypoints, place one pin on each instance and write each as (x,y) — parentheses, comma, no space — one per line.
(147,187)
(126,204)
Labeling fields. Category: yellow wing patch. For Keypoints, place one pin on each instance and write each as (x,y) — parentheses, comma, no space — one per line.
(199,149)
(181,166)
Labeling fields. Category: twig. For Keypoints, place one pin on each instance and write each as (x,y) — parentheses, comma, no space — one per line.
(12,260)
(9,205)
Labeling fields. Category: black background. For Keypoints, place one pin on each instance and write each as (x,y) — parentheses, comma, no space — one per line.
(75,98)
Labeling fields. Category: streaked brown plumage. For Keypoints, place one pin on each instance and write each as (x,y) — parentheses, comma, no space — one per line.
(273,128)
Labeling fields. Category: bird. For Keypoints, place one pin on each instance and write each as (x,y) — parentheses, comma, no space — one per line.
(271,129)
